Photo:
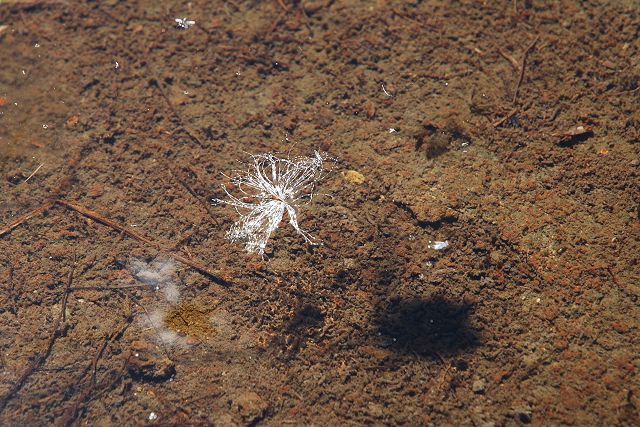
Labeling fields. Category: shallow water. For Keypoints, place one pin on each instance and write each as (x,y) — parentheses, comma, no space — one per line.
(509,131)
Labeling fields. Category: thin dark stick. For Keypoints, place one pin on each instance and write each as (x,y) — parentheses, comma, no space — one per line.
(275,23)
(71,413)
(39,211)
(510,58)
(155,82)
(505,118)
(94,362)
(108,288)
(523,66)
(191,191)
(37,363)
(105,221)
(11,298)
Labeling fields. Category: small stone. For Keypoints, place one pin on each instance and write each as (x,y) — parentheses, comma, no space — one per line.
(478,386)
(353,177)
(250,406)
(96,190)
(72,122)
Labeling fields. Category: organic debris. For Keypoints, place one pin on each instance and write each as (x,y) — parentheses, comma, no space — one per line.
(191,320)
(438,245)
(274,185)
(184,23)
(437,138)
(576,134)
(353,177)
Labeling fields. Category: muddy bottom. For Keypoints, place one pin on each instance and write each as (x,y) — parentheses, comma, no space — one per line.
(477,230)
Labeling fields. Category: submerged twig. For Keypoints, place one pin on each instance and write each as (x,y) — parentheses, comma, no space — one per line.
(156,82)
(42,209)
(103,220)
(523,66)
(106,221)
(72,412)
(139,237)
(42,357)
(505,118)
(34,172)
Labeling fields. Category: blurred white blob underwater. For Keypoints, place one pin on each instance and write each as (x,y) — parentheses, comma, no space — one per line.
(159,274)
(156,321)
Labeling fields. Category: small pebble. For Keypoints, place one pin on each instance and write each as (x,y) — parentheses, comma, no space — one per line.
(478,386)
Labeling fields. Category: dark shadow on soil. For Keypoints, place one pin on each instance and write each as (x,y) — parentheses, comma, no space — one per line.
(430,328)
(307,321)
(307,317)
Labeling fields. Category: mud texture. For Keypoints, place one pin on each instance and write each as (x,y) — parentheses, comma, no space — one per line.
(510,129)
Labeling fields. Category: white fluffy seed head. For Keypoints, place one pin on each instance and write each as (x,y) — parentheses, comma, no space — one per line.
(268,187)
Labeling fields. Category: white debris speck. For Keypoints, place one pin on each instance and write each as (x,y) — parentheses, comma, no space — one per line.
(385,91)
(45,126)
(153,416)
(438,245)
(117,65)
(36,45)
(184,23)
(24,72)
(537,300)
(392,130)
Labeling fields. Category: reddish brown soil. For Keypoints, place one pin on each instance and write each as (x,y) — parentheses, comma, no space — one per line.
(529,316)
